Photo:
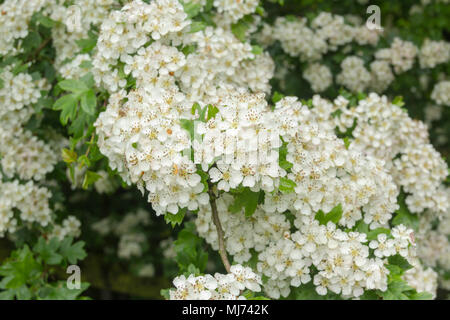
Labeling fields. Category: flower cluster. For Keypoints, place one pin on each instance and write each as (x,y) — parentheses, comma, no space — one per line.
(141,131)
(441,93)
(24,156)
(218,287)
(354,75)
(312,39)
(385,131)
(433,53)
(73,24)
(15,16)
(342,258)
(30,200)
(401,55)
(422,279)
(232,11)
(326,33)
(319,77)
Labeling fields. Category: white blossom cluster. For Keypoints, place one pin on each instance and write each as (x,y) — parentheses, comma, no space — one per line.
(26,157)
(401,55)
(433,246)
(144,141)
(22,153)
(285,258)
(145,134)
(441,93)
(141,132)
(326,33)
(241,234)
(382,75)
(319,76)
(23,156)
(385,131)
(433,53)
(70,227)
(231,11)
(29,199)
(218,287)
(354,75)
(15,16)
(73,23)
(326,173)
(244,140)
(422,279)
(342,259)
(125,32)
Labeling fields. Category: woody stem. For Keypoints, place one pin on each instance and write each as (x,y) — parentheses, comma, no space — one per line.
(220,235)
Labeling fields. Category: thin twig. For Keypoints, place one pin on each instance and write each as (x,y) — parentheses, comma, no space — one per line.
(216,220)
(38,50)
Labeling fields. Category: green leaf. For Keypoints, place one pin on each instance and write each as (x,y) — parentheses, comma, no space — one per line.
(308,292)
(175,219)
(89,102)
(45,21)
(282,153)
(197,26)
(369,295)
(396,290)
(334,215)
(347,142)
(75,86)
(373,234)
(47,251)
(78,125)
(212,111)
(404,216)
(72,252)
(286,185)
(361,227)
(188,125)
(60,291)
(239,30)
(86,45)
(21,268)
(189,249)
(398,101)
(277,96)
(86,64)
(68,156)
(246,199)
(399,261)
(421,296)
(89,178)
(192,9)
(188,49)
(165,293)
(32,41)
(88,80)
(68,106)
(257,49)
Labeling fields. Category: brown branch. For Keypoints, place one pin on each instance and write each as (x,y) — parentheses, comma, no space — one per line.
(220,235)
